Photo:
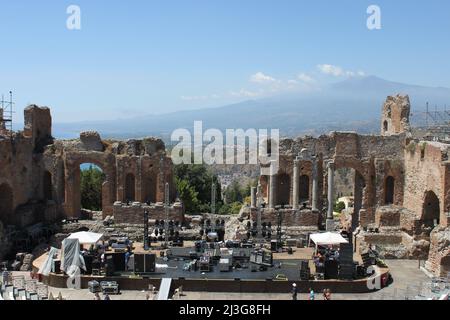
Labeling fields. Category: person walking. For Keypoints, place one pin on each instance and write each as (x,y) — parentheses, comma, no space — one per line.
(312,295)
(294,291)
(328,295)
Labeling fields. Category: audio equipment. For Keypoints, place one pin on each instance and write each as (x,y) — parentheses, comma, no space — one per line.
(57,266)
(88,263)
(331,269)
(144,263)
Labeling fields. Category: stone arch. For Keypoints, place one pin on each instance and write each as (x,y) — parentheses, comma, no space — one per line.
(150,187)
(304,187)
(389,190)
(130,187)
(47,185)
(264,181)
(284,189)
(6,203)
(431,209)
(72,181)
(362,188)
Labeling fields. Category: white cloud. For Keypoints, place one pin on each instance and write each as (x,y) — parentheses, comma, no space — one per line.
(337,71)
(246,93)
(260,77)
(305,78)
(331,70)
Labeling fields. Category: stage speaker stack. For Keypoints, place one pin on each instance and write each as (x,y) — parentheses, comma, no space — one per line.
(274,245)
(57,266)
(144,263)
(109,265)
(331,269)
(304,270)
(88,262)
(119,261)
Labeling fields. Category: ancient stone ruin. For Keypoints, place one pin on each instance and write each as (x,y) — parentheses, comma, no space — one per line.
(399,202)
(401,188)
(40,176)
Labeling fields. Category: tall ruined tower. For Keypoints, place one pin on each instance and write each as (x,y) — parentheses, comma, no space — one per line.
(395,115)
(38,126)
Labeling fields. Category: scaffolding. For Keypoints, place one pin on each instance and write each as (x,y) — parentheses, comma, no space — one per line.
(432,124)
(6,114)
(439,117)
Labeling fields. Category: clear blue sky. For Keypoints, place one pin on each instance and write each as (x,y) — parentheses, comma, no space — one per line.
(136,57)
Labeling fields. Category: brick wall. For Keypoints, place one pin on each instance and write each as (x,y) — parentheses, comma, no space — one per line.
(134,213)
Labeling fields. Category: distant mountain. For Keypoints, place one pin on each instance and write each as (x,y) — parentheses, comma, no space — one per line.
(351,105)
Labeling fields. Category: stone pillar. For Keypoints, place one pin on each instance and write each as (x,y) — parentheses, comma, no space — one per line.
(330,222)
(253,197)
(295,186)
(315,184)
(272,185)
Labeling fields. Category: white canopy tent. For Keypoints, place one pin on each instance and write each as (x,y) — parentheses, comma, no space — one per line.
(327,239)
(85,237)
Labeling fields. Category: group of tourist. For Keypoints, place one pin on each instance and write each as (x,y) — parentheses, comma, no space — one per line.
(312,295)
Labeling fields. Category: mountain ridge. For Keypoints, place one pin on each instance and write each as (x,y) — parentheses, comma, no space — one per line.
(353,104)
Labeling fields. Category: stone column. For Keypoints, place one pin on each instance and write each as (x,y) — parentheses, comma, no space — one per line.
(330,222)
(315,184)
(272,185)
(295,186)
(253,197)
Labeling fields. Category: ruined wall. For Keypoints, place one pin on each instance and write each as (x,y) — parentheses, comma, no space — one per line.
(439,256)
(21,202)
(304,218)
(135,170)
(373,159)
(40,177)
(134,213)
(426,172)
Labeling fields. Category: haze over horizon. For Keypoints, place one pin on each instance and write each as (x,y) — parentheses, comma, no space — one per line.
(156,58)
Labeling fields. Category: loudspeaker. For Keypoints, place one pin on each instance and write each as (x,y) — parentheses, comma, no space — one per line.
(144,263)
(331,269)
(88,264)
(109,265)
(57,264)
(273,245)
(119,261)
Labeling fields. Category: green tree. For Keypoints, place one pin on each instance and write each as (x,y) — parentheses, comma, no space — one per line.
(338,207)
(198,179)
(233,208)
(91,188)
(188,195)
(236,193)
